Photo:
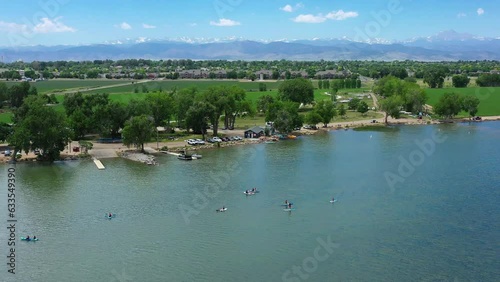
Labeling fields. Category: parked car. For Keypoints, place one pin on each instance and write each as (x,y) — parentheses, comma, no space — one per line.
(199,142)
(37,152)
(7,153)
(216,139)
(238,138)
(191,142)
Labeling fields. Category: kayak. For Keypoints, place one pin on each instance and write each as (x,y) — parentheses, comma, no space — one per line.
(221,210)
(110,217)
(292,209)
(30,239)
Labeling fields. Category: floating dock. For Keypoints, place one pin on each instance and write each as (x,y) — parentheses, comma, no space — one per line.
(98,164)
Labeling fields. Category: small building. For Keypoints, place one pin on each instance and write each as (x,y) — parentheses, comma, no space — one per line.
(254,132)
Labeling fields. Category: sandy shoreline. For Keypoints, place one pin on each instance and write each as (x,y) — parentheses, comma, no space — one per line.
(102,150)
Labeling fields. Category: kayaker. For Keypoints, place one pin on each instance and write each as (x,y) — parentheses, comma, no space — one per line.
(289,205)
(34,237)
(110,215)
(28,238)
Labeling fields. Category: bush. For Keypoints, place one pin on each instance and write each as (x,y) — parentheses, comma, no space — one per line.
(164,148)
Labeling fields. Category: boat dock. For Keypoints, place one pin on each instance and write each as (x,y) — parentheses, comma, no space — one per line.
(98,164)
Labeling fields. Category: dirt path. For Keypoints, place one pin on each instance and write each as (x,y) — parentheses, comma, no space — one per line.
(81,89)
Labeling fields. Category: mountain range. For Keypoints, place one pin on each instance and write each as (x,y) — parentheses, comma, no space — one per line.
(445,46)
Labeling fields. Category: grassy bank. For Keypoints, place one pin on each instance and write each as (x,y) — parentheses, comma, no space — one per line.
(489,98)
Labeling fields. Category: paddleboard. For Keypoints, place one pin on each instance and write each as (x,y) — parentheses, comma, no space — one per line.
(30,239)
(221,210)
(249,193)
(292,209)
(334,201)
(286,205)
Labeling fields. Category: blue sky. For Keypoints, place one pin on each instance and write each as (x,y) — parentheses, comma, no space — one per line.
(53,22)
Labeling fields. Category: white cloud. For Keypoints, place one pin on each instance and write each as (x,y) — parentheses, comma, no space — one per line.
(193,24)
(225,22)
(339,15)
(148,26)
(141,40)
(288,8)
(13,27)
(124,25)
(461,15)
(49,26)
(480,11)
(309,19)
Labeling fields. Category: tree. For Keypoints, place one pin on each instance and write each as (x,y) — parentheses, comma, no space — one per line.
(313,118)
(161,106)
(262,87)
(488,80)
(297,90)
(391,106)
(4,92)
(263,102)
(17,93)
(285,115)
(470,104)
(434,78)
(183,100)
(198,116)
(449,105)
(342,110)
(414,98)
(39,127)
(353,104)
(5,131)
(362,107)
(460,81)
(137,131)
(388,86)
(326,110)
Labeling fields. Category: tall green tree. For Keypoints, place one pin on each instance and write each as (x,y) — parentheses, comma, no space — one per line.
(391,106)
(263,103)
(297,90)
(470,104)
(137,131)
(183,100)
(198,116)
(326,110)
(39,127)
(313,118)
(362,107)
(4,92)
(449,105)
(162,107)
(460,81)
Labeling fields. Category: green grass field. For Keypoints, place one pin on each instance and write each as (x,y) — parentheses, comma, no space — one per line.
(59,85)
(167,85)
(489,98)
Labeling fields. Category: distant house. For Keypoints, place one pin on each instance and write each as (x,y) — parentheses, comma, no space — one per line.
(190,74)
(254,132)
(264,74)
(330,74)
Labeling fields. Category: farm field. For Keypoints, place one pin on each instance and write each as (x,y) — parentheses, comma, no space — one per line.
(60,85)
(489,97)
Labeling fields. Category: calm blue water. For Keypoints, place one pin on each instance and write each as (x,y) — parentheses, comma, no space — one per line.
(437,222)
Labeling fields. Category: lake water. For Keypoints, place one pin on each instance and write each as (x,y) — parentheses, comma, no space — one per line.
(403,213)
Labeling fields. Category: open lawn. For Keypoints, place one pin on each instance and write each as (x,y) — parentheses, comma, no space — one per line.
(489,97)
(167,85)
